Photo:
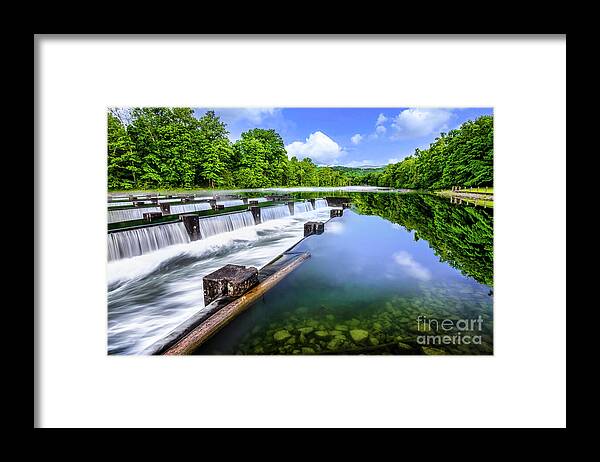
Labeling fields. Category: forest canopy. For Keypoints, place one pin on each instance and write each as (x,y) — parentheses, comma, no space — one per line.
(171,148)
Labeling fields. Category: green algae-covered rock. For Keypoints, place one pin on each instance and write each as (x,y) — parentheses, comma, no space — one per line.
(322,334)
(296,352)
(291,341)
(330,317)
(307,351)
(377,326)
(306,330)
(359,335)
(432,351)
(336,333)
(301,338)
(341,327)
(373,341)
(354,322)
(403,346)
(258,350)
(334,344)
(312,323)
(281,335)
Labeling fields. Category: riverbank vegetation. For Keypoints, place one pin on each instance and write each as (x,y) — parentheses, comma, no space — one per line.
(461,236)
(167,148)
(162,148)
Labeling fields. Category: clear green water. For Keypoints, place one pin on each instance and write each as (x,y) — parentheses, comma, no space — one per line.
(397,274)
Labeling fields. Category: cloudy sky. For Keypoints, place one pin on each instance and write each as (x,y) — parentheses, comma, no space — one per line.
(349,136)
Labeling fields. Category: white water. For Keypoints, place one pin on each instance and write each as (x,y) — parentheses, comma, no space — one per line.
(303,207)
(119,204)
(225,223)
(320,203)
(231,203)
(149,295)
(274,213)
(134,242)
(185,208)
(115,216)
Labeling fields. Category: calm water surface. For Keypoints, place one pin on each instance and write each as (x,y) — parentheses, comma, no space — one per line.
(397,274)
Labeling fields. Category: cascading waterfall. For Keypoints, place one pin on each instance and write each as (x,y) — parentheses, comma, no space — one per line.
(185,208)
(320,203)
(258,199)
(115,216)
(224,223)
(303,207)
(273,213)
(133,242)
(119,204)
(231,203)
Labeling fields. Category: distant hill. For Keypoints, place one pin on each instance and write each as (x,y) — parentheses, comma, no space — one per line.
(359,171)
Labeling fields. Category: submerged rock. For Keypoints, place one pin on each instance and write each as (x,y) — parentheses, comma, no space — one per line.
(373,341)
(403,346)
(322,333)
(281,335)
(433,351)
(306,330)
(358,335)
(307,351)
(334,344)
(341,327)
(330,317)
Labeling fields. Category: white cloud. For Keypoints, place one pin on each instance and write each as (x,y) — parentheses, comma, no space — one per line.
(414,123)
(380,130)
(318,146)
(356,138)
(381,119)
(252,114)
(413,268)
(393,160)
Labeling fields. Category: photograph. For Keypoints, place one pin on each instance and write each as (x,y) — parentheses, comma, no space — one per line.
(300,231)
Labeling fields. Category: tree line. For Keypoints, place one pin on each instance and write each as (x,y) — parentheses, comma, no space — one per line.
(461,157)
(461,236)
(170,148)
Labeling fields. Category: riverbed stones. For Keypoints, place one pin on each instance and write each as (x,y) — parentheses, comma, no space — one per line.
(322,334)
(308,351)
(359,335)
(341,327)
(306,330)
(281,335)
(433,351)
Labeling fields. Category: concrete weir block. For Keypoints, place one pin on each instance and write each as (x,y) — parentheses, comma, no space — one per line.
(313,227)
(291,207)
(336,213)
(256,214)
(150,216)
(192,225)
(230,280)
(165,208)
(138,204)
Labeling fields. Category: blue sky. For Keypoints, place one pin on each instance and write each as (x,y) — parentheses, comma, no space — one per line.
(349,136)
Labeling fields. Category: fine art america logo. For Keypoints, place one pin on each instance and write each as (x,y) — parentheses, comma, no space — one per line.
(449,331)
